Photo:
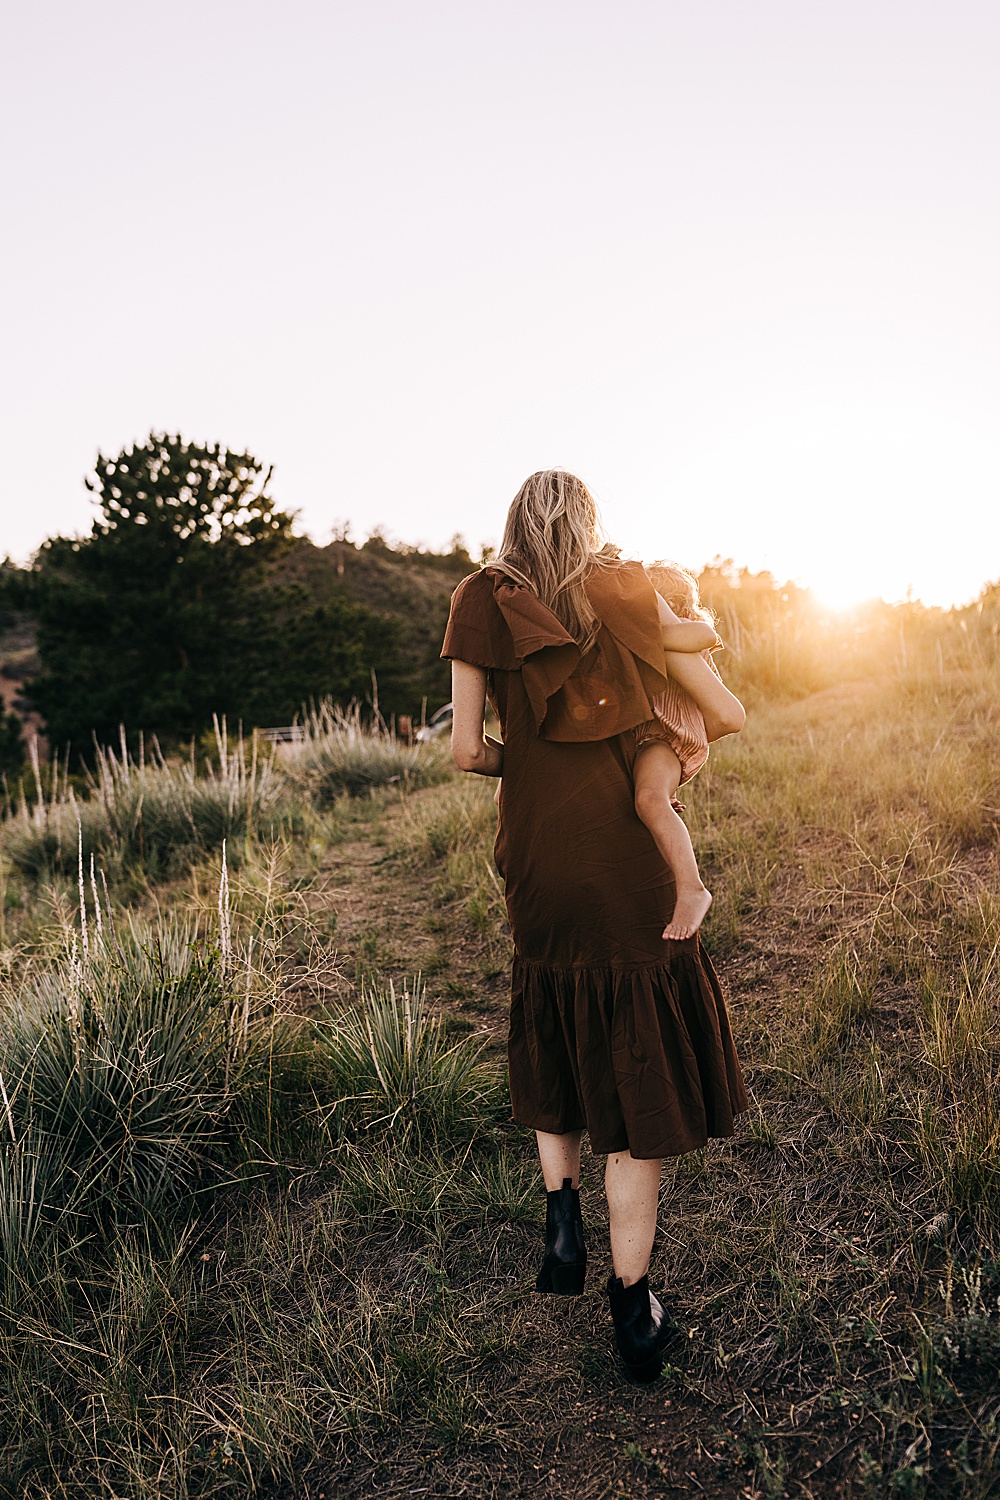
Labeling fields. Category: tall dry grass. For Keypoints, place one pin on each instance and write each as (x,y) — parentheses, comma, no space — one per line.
(258,1240)
(344,751)
(782,643)
(152,816)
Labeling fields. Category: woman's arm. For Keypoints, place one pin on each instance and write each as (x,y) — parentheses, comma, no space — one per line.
(684,635)
(471,748)
(723,711)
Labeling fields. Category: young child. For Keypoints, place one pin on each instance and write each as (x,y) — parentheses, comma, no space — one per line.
(671,748)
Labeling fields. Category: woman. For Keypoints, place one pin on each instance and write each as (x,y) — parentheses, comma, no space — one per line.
(612,1028)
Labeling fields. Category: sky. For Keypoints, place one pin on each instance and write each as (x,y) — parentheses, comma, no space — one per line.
(734,262)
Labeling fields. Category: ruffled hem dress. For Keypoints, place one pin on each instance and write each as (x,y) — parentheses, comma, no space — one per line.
(612,1028)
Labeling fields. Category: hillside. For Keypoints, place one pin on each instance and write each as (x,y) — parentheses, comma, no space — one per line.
(410,587)
(404,592)
(330,1294)
(381,608)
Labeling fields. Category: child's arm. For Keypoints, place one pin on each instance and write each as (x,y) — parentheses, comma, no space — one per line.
(723,711)
(684,635)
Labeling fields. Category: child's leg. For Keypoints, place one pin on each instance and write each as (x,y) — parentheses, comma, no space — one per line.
(656,775)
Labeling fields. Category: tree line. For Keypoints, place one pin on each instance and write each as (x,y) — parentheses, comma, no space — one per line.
(191,596)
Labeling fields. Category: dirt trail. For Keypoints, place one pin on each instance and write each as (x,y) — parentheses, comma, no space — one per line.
(588,1433)
(388,920)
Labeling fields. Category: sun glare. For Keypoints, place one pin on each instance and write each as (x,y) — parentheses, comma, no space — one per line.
(839,594)
(839,590)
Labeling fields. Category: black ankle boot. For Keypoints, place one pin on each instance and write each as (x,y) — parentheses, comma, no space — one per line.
(565,1264)
(642,1327)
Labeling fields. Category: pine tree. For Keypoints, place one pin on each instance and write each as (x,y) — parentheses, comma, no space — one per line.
(167,612)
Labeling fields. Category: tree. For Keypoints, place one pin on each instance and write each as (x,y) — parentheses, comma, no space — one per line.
(12,749)
(309,651)
(167,612)
(12,756)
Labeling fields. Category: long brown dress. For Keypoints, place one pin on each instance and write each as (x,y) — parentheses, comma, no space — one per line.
(611,1027)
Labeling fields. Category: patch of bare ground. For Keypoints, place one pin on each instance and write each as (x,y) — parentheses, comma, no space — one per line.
(388,919)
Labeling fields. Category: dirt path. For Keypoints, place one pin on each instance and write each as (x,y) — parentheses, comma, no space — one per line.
(587,1433)
(389,921)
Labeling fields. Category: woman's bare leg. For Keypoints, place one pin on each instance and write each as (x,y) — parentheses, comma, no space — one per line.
(560,1158)
(656,776)
(633,1189)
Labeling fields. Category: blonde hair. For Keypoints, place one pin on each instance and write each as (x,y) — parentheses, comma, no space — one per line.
(680,589)
(552,539)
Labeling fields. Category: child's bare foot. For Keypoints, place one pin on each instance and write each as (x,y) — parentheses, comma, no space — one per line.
(689,913)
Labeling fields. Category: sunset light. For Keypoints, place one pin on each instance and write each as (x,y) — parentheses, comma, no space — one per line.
(499,723)
(734,265)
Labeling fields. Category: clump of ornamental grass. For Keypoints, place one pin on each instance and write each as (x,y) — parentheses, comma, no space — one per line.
(129,1066)
(388,1062)
(115,1076)
(342,751)
(152,815)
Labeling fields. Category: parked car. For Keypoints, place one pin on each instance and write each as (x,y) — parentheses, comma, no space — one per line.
(437,724)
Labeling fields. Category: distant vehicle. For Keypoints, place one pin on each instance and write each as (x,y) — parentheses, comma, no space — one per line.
(285,734)
(436,724)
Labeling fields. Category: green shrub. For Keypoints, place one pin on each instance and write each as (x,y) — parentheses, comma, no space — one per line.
(342,752)
(128,1069)
(389,1063)
(157,818)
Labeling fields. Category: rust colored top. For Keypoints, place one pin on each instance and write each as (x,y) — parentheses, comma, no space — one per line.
(574,697)
(680,723)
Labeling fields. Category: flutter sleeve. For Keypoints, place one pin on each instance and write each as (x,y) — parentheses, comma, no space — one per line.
(610,689)
(498,624)
(477,632)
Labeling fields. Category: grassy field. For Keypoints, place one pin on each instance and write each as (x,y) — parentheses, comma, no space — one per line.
(267,1228)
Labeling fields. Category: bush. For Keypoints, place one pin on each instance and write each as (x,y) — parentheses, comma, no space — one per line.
(158,818)
(389,1063)
(342,753)
(119,1067)
(130,1068)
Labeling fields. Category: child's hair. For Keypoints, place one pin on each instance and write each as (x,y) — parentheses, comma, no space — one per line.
(680,589)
